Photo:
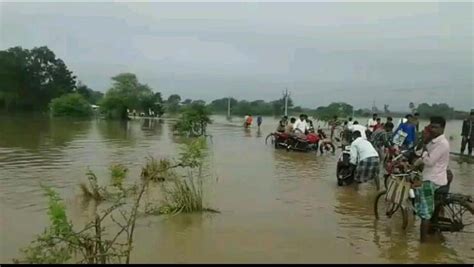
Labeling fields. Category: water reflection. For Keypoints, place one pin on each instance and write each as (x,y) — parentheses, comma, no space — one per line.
(36,131)
(117,131)
(247,132)
(152,126)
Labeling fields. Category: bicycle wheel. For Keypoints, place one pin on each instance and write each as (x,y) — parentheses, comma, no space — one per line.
(272,138)
(454,215)
(390,213)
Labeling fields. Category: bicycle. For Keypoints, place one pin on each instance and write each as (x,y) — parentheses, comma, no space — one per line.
(450,213)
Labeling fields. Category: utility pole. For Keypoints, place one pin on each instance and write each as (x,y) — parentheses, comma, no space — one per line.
(286,95)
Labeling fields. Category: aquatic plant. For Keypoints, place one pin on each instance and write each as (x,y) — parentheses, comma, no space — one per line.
(158,171)
(193,120)
(118,173)
(184,195)
(59,243)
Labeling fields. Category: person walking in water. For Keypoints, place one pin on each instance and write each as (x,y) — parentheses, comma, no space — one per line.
(259,121)
(248,121)
(467,134)
(435,159)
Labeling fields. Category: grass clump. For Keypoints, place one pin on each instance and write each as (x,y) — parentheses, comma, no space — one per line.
(118,173)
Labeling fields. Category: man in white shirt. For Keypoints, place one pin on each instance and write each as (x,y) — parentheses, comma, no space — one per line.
(357,127)
(435,159)
(350,122)
(372,122)
(365,158)
(301,124)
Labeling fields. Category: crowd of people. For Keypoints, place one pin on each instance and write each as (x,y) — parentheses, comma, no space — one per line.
(369,143)
(301,126)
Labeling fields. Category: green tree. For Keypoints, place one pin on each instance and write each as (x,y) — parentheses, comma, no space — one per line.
(221,105)
(199,102)
(29,79)
(297,109)
(90,95)
(339,109)
(279,106)
(194,120)
(441,109)
(70,105)
(172,103)
(128,93)
(152,101)
(187,101)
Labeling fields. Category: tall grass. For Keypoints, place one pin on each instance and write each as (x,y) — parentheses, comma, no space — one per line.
(184,195)
(118,173)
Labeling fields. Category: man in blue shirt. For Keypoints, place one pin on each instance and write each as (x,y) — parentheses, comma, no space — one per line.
(259,121)
(409,128)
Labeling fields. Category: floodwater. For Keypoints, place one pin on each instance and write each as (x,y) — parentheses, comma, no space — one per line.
(276,206)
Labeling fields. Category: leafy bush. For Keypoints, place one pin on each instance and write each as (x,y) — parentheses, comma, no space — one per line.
(194,120)
(70,105)
(59,243)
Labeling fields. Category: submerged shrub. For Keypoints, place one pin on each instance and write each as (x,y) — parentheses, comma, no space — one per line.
(193,121)
(70,105)
(118,173)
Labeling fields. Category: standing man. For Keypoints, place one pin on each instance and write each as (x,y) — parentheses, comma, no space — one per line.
(467,134)
(301,124)
(349,122)
(290,127)
(333,124)
(379,125)
(372,122)
(282,124)
(435,158)
(365,159)
(259,121)
(382,138)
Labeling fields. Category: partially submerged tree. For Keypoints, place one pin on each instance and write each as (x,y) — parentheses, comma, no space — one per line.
(70,105)
(128,93)
(173,103)
(90,95)
(193,120)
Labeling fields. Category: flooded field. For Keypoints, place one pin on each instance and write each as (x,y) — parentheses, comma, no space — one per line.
(276,206)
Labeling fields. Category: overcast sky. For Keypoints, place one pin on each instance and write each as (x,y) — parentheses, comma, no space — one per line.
(392,53)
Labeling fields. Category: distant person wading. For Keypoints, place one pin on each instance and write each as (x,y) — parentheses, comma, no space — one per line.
(467,134)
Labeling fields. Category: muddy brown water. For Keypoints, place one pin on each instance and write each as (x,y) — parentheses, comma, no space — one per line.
(276,206)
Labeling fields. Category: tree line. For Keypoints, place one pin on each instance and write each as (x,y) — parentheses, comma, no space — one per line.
(36,80)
